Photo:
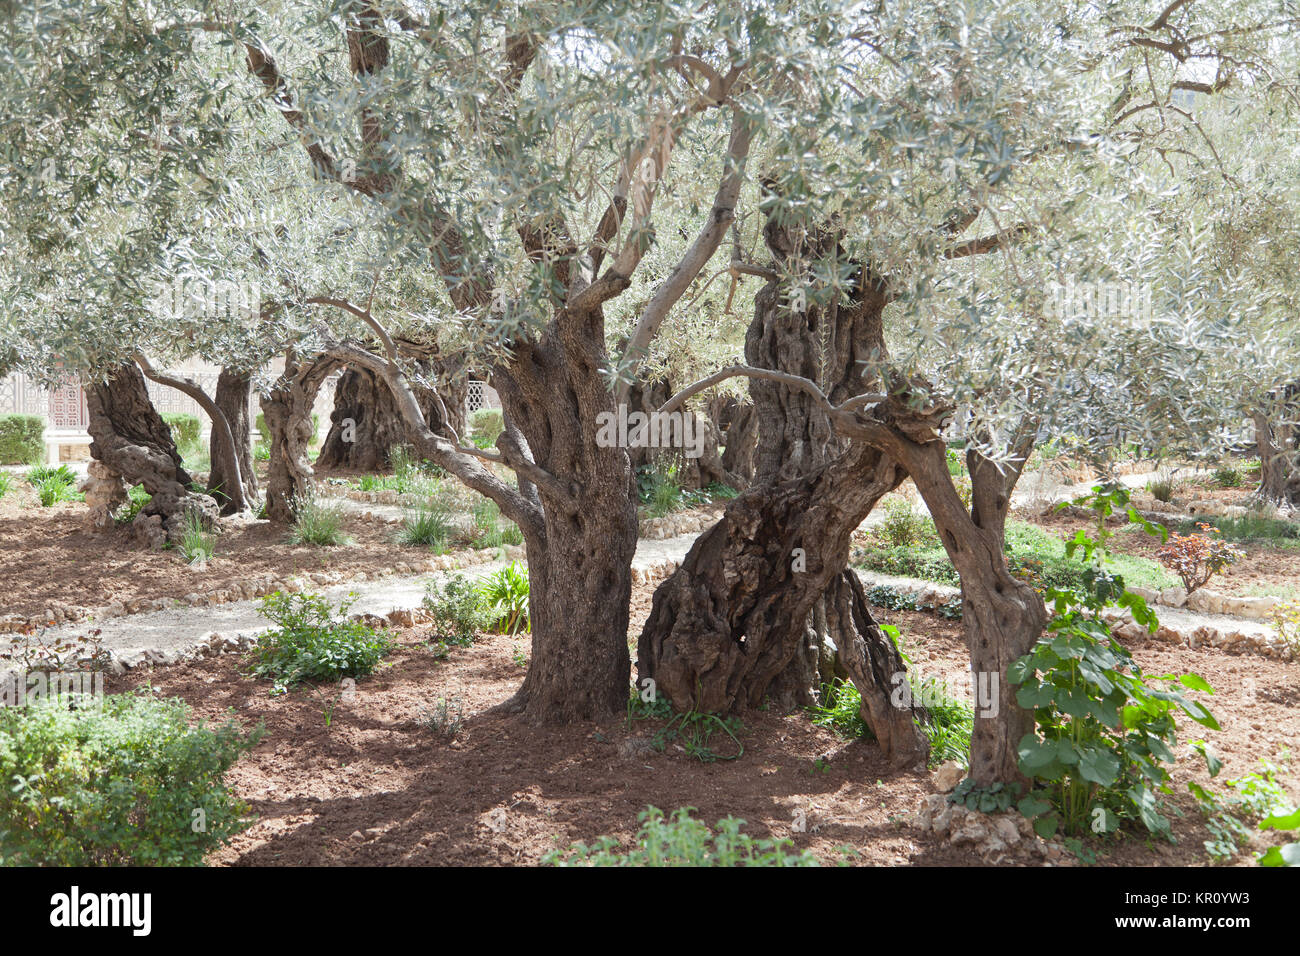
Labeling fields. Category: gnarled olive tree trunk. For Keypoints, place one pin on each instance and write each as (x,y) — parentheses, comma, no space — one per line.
(287,408)
(1277,442)
(580,552)
(765,603)
(234,488)
(366,423)
(1002,616)
(131,439)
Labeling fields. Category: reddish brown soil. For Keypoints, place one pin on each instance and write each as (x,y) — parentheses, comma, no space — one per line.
(47,556)
(379,787)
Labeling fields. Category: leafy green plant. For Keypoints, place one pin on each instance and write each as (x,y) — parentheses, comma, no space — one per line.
(948,723)
(456,610)
(185,429)
(6,482)
(659,487)
(519,657)
(693,732)
(313,641)
(840,710)
(1196,558)
(486,425)
(994,798)
(56,489)
(317,522)
(682,840)
(505,599)
(947,726)
(903,527)
(262,451)
(1103,730)
(1288,854)
(129,783)
(22,439)
(1249,527)
(1286,618)
(136,498)
(198,540)
(1246,800)
(1228,475)
(445,719)
(490,529)
(42,473)
(428,526)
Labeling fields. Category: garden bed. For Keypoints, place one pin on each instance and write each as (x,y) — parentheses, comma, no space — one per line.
(380,786)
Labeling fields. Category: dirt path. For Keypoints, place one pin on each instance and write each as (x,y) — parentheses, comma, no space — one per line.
(168,635)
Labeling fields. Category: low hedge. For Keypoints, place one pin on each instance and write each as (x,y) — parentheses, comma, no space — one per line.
(1032,553)
(22,439)
(186,428)
(128,783)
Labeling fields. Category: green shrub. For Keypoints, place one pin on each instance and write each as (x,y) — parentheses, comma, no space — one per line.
(948,727)
(312,641)
(185,428)
(902,526)
(136,498)
(1162,489)
(6,482)
(683,841)
(456,609)
(198,540)
(54,485)
(315,522)
(1247,528)
(505,599)
(22,439)
(1246,800)
(486,425)
(490,529)
(262,451)
(659,487)
(1032,554)
(128,783)
(1228,475)
(427,527)
(1104,732)
(42,473)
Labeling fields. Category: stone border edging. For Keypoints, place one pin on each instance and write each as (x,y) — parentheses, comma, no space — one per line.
(247,589)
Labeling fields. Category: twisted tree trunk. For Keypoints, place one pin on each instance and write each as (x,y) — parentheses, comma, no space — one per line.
(764,605)
(130,438)
(234,488)
(287,408)
(366,422)
(1278,446)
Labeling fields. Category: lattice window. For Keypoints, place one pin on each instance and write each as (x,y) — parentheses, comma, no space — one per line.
(476,397)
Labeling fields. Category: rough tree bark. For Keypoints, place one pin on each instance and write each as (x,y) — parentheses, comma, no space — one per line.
(366,422)
(287,408)
(1002,616)
(223,450)
(130,438)
(1278,445)
(234,389)
(739,621)
(740,442)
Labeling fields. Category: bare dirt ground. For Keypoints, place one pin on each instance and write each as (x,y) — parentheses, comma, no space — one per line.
(379,787)
(48,556)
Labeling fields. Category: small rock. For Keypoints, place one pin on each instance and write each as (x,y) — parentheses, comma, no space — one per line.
(948,776)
